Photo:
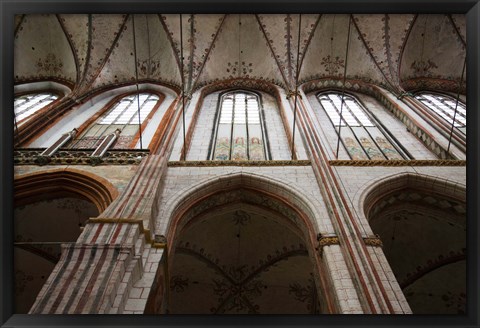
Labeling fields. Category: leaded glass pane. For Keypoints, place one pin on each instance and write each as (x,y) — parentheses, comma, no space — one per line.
(239,142)
(255,146)
(25,106)
(239,131)
(444,106)
(368,144)
(360,137)
(126,110)
(222,144)
(358,112)
(331,112)
(124,115)
(352,146)
(386,147)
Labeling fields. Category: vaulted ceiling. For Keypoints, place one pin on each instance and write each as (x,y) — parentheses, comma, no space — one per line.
(90,52)
(228,261)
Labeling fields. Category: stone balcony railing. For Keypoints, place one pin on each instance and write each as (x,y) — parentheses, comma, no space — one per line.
(32,156)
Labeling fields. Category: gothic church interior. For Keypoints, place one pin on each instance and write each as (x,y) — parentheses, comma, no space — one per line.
(240,164)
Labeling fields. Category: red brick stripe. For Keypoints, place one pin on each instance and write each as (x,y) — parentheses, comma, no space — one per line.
(97,233)
(67,281)
(93,278)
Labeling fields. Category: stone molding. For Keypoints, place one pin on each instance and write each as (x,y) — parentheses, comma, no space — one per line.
(373,241)
(326,241)
(78,157)
(239,163)
(415,162)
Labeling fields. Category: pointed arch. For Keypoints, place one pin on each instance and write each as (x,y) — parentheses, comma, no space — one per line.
(33,186)
(268,198)
(296,201)
(421,221)
(423,182)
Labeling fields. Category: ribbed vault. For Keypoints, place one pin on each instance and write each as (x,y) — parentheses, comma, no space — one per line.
(97,51)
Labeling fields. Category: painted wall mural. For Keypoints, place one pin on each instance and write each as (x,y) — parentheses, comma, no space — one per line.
(333,65)
(423,67)
(50,65)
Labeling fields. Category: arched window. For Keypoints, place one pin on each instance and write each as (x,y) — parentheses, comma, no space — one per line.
(239,130)
(29,104)
(361,136)
(126,115)
(445,107)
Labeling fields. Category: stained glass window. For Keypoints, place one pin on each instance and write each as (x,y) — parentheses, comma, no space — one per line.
(362,138)
(28,105)
(239,131)
(444,106)
(124,115)
(126,110)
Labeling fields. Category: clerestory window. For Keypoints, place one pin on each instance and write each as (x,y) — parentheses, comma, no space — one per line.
(239,132)
(361,136)
(446,107)
(126,115)
(27,105)
(126,110)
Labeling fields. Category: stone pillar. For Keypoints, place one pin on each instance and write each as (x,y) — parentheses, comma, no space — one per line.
(95,274)
(392,288)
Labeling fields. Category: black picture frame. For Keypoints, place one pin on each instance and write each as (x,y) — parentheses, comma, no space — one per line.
(8,8)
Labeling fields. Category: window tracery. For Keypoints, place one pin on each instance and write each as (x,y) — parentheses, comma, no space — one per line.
(361,136)
(446,107)
(126,112)
(27,105)
(125,115)
(239,131)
